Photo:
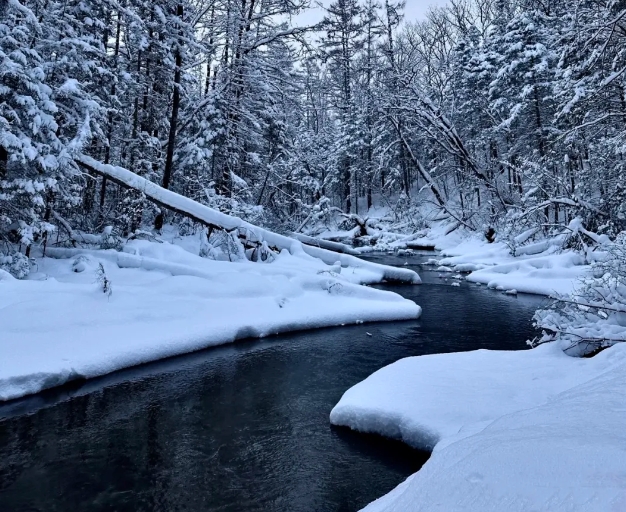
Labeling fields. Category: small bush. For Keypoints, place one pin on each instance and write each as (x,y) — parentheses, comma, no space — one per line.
(16,264)
(104,281)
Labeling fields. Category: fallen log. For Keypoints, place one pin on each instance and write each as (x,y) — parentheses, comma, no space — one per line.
(420,246)
(325,244)
(216,220)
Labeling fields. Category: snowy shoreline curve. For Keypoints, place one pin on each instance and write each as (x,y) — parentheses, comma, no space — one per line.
(540,268)
(514,431)
(509,431)
(59,326)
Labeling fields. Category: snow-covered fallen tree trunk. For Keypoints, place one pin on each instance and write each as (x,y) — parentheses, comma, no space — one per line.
(325,244)
(221,221)
(419,246)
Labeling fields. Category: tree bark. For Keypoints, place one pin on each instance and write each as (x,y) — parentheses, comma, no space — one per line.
(171,141)
(107,151)
(4,160)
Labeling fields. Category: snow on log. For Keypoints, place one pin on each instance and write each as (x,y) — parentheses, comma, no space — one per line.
(221,221)
(325,244)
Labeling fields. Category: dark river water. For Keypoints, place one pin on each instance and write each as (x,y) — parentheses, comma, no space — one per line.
(242,427)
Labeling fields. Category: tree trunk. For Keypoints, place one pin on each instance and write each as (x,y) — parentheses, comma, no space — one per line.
(171,141)
(4,160)
(107,151)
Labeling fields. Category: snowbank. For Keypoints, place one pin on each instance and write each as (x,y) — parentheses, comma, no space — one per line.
(552,275)
(546,272)
(59,325)
(515,431)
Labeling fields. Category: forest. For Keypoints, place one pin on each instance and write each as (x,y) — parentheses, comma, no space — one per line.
(501,114)
(428,198)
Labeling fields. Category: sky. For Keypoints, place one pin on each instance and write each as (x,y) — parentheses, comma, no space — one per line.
(415,10)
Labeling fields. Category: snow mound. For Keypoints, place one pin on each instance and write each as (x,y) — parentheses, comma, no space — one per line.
(538,269)
(443,394)
(554,274)
(515,431)
(166,301)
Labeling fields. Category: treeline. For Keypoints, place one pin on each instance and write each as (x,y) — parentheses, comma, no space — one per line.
(510,114)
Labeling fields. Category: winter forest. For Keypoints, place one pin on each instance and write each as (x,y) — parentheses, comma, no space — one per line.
(180,174)
(503,114)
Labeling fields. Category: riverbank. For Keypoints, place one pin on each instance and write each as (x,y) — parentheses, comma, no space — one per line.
(516,431)
(82,313)
(525,263)
(542,267)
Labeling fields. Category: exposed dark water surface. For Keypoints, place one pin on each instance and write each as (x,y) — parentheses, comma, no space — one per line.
(242,427)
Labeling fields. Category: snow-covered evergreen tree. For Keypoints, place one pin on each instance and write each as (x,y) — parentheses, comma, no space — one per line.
(507,113)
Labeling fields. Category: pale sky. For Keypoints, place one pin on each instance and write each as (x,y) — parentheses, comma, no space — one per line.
(414,10)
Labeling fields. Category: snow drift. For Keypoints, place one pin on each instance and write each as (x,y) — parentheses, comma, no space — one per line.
(515,431)
(59,325)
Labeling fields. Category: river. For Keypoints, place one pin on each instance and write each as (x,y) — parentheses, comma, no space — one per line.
(242,427)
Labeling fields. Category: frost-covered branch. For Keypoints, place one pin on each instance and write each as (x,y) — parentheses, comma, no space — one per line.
(595,316)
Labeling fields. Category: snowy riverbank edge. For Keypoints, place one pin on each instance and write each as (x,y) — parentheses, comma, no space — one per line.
(541,268)
(526,263)
(516,431)
(58,325)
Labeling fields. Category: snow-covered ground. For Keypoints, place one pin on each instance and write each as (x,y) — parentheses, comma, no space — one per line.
(541,268)
(492,265)
(58,325)
(518,263)
(512,431)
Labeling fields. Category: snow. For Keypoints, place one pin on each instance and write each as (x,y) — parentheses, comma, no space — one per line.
(166,300)
(516,431)
(553,275)
(214,217)
(540,268)
(549,274)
